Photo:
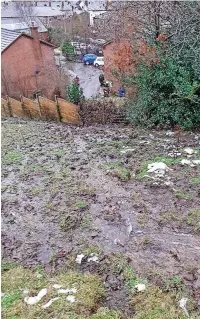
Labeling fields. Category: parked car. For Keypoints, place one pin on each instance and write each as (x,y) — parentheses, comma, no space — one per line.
(89,59)
(99,61)
(100,41)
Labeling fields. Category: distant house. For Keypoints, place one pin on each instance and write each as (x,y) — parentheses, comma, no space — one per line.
(28,64)
(17,24)
(46,14)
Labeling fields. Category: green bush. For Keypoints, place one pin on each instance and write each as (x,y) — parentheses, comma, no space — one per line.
(68,50)
(74,93)
(167,95)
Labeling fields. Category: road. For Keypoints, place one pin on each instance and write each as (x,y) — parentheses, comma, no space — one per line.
(89,78)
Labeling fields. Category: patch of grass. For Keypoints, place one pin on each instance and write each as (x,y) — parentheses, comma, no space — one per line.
(88,297)
(91,249)
(114,263)
(7,265)
(49,205)
(3,188)
(102,313)
(58,153)
(81,204)
(70,221)
(132,279)
(142,218)
(35,190)
(117,169)
(105,313)
(170,216)
(86,220)
(9,300)
(174,284)
(12,157)
(193,219)
(195,180)
(153,303)
(34,168)
(180,193)
(168,160)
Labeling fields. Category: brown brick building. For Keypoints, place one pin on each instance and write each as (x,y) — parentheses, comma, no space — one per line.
(28,65)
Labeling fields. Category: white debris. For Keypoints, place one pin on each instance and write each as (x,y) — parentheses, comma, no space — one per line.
(127,150)
(94,258)
(56,286)
(174,154)
(170,133)
(192,163)
(71,298)
(158,168)
(48,304)
(151,136)
(197,162)
(130,227)
(189,150)
(182,304)
(79,258)
(2,294)
(36,299)
(67,291)
(144,142)
(140,287)
(187,162)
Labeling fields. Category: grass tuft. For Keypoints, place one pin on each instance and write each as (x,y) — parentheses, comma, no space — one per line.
(88,297)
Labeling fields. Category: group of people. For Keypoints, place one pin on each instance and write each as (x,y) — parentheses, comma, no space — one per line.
(121,90)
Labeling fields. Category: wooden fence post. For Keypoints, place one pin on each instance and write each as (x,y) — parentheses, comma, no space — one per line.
(9,106)
(58,109)
(26,112)
(104,108)
(39,106)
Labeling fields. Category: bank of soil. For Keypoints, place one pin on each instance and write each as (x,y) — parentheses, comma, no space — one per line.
(72,190)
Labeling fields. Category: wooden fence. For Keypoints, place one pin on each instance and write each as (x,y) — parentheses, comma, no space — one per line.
(42,108)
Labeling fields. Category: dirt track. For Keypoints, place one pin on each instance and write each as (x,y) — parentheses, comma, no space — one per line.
(69,189)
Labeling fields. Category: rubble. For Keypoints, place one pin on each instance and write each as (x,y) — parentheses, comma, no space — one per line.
(189,151)
(71,298)
(140,287)
(182,304)
(79,258)
(159,168)
(67,291)
(36,299)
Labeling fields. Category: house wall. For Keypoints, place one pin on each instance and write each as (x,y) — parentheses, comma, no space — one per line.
(19,63)
(123,57)
(110,52)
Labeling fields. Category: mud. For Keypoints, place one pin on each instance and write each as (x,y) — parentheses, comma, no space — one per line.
(61,196)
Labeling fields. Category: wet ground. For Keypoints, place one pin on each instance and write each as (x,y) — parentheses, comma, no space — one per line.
(67,190)
(89,78)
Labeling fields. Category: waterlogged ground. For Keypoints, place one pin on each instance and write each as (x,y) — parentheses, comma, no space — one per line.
(86,190)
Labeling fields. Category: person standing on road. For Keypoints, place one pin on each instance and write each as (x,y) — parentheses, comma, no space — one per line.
(121,92)
(77,80)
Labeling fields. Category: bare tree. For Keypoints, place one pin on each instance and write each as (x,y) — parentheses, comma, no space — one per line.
(25,10)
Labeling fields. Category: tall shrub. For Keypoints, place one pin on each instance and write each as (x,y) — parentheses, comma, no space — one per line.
(74,93)
(167,94)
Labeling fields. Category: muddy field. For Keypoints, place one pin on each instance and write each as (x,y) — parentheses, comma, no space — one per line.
(68,191)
